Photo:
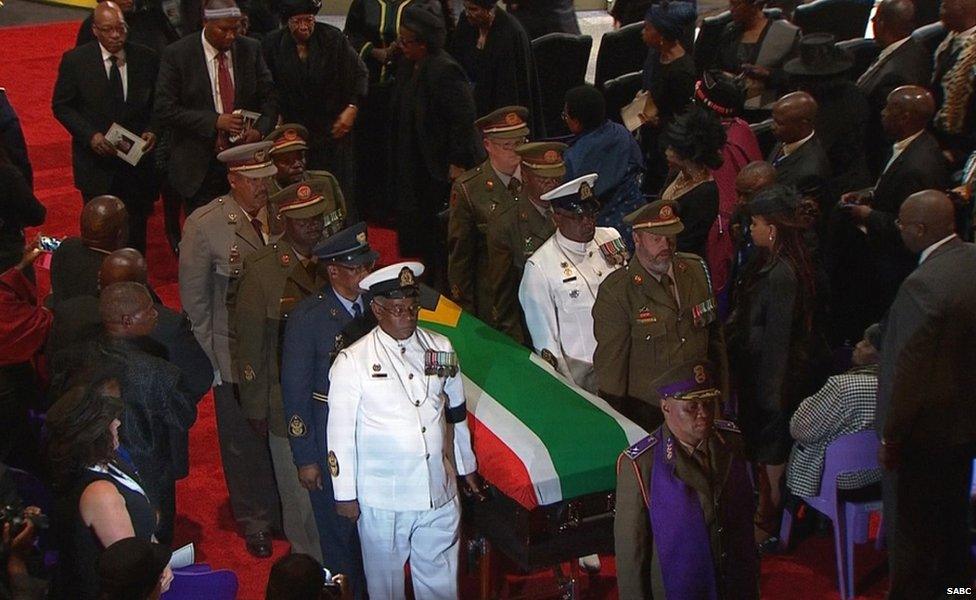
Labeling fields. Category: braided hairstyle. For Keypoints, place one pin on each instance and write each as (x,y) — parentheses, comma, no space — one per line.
(697,135)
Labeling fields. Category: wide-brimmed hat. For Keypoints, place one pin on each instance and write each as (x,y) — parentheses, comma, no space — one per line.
(819,56)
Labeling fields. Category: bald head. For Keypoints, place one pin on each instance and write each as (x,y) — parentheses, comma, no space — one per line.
(106,10)
(908,110)
(127,310)
(104,223)
(122,265)
(754,177)
(925,218)
(793,117)
(958,15)
(894,20)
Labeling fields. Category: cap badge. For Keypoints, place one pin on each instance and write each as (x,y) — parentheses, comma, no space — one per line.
(666,212)
(290,134)
(585,191)
(296,427)
(551,156)
(489,184)
(304,192)
(406,277)
(699,371)
(261,156)
(361,237)
(512,119)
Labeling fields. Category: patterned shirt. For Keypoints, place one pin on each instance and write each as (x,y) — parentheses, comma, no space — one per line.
(844,405)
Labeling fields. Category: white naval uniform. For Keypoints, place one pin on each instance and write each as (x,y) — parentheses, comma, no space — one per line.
(387,428)
(557,293)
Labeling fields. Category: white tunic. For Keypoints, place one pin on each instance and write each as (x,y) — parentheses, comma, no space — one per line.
(557,293)
(387,424)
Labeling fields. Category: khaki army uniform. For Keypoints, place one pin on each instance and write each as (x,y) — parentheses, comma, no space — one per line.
(641,332)
(335,210)
(477,198)
(513,237)
(724,494)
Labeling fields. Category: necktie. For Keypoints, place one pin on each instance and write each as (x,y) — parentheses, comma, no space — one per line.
(256,224)
(225,85)
(514,185)
(115,81)
(357,311)
(668,284)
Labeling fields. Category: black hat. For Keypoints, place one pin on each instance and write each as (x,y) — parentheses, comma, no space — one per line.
(775,199)
(575,196)
(290,8)
(395,281)
(130,568)
(428,26)
(819,56)
(347,247)
(720,92)
(671,19)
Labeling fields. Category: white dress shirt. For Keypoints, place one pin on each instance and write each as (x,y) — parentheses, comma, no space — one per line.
(210,53)
(928,251)
(882,56)
(898,147)
(557,294)
(387,429)
(123,69)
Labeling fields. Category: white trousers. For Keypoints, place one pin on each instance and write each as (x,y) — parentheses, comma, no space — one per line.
(429,539)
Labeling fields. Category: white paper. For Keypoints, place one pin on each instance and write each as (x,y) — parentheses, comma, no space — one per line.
(641,105)
(183,557)
(128,146)
(250,119)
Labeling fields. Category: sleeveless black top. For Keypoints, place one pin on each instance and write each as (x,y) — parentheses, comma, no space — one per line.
(77,575)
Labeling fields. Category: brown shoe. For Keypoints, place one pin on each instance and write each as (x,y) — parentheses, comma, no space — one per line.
(259,544)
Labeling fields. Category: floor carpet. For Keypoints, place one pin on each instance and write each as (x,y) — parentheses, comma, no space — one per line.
(28,71)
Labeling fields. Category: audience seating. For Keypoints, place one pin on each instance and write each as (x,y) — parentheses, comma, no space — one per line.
(200,582)
(621,51)
(619,91)
(561,59)
(846,454)
(863,52)
(845,19)
(706,44)
(931,35)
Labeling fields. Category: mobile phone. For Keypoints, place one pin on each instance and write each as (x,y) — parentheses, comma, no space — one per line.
(328,581)
(49,244)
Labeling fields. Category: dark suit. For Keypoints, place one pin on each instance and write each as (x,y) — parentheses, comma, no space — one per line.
(925,405)
(805,167)
(83,103)
(147,24)
(909,64)
(185,105)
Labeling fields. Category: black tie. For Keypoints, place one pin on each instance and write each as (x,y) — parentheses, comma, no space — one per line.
(357,311)
(115,81)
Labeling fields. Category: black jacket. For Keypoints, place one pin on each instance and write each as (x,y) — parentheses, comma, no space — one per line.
(805,165)
(83,104)
(18,209)
(540,17)
(185,105)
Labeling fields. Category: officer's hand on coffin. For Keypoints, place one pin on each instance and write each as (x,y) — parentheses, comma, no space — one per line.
(348,509)
(474,486)
(310,476)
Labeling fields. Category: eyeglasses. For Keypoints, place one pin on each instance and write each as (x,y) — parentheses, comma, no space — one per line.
(400,310)
(510,145)
(357,269)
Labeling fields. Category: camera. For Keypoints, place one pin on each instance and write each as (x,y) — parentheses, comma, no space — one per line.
(14,514)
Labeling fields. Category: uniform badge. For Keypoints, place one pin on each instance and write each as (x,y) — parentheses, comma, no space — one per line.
(665,213)
(248,373)
(376,368)
(290,135)
(682,266)
(234,255)
(304,192)
(489,185)
(285,260)
(645,316)
(406,277)
(339,342)
(549,357)
(638,280)
(574,294)
(333,464)
(492,207)
(529,247)
(614,251)
(333,312)
(296,427)
(585,191)
(669,449)
(442,364)
(704,313)
(551,157)
(232,218)
(512,119)
(700,375)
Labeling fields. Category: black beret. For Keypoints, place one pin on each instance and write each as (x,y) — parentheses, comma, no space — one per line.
(290,8)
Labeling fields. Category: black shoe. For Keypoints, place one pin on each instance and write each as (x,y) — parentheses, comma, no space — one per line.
(259,544)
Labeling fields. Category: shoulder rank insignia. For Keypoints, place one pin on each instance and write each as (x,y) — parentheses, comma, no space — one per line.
(442,364)
(333,464)
(248,373)
(640,447)
(296,427)
(638,280)
(340,342)
(285,260)
(726,425)
(614,251)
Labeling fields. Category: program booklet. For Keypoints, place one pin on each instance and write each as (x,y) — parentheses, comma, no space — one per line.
(128,146)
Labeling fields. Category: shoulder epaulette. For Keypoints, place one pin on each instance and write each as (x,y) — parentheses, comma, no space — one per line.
(469,174)
(321,175)
(640,447)
(727,426)
(704,266)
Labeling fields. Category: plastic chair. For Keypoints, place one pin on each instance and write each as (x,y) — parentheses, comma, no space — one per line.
(621,51)
(862,51)
(845,19)
(561,60)
(199,582)
(846,454)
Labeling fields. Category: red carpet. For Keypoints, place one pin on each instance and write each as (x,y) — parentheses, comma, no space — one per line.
(28,71)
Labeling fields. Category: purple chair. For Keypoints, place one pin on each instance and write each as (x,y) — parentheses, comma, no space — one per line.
(200,582)
(851,520)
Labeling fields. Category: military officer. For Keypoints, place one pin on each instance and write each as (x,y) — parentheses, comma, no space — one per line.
(479,195)
(518,232)
(288,151)
(657,313)
(216,239)
(276,278)
(319,327)
(398,436)
(561,279)
(683,524)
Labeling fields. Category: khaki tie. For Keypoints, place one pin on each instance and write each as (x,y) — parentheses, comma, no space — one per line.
(669,286)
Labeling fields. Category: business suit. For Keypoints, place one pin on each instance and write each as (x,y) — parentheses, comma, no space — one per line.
(185,105)
(83,103)
(925,405)
(805,167)
(319,328)
(908,64)
(216,239)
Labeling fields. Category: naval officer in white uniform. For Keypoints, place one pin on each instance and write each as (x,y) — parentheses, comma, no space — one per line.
(561,279)
(398,439)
